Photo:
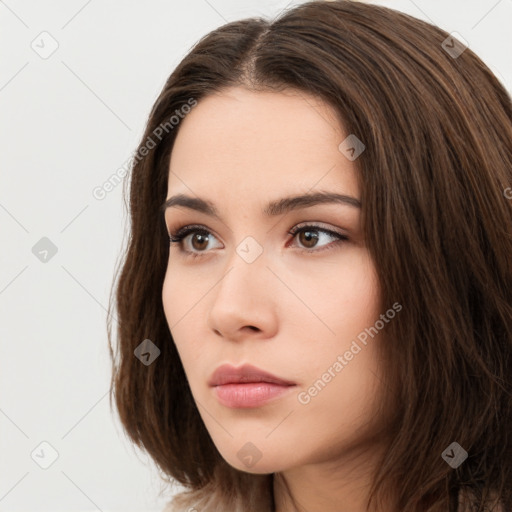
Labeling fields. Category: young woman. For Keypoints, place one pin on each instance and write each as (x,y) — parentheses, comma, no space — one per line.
(315,306)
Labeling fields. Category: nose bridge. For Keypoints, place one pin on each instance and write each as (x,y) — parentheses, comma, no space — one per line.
(246,269)
(250,250)
(243,297)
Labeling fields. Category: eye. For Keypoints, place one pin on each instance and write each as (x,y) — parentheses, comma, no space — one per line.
(201,237)
(310,232)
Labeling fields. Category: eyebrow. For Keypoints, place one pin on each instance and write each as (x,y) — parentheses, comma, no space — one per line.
(274,208)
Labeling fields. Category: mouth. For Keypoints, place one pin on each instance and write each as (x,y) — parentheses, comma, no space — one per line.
(247,386)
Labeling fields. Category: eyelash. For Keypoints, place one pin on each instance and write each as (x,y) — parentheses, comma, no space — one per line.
(184,231)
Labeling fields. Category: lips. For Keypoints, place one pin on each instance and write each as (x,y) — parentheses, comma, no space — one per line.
(247,386)
(228,374)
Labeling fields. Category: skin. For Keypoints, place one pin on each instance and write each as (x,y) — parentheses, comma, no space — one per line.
(288,312)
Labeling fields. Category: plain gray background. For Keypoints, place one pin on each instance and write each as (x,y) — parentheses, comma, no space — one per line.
(68,121)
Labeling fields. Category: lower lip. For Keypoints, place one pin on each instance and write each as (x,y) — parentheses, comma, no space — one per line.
(251,394)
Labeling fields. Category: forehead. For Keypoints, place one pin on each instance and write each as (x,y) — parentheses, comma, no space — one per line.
(260,141)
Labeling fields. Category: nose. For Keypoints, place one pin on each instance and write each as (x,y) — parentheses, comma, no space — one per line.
(244,301)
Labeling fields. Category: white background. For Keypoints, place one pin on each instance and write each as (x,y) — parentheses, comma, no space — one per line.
(68,123)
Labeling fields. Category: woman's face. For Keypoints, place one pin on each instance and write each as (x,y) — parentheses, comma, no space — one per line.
(295,306)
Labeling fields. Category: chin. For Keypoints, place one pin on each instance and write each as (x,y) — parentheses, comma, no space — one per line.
(261,466)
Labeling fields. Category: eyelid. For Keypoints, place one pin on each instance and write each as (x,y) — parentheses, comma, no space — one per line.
(321,226)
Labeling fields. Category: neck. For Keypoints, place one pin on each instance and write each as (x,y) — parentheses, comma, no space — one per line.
(342,485)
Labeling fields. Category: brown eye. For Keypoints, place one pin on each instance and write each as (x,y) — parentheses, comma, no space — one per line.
(308,238)
(199,241)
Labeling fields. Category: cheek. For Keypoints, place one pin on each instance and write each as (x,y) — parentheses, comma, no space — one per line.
(179,294)
(175,304)
(169,294)
(182,292)
(343,296)
(342,301)
(358,288)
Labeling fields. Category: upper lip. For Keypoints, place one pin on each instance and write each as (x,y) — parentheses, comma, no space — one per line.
(228,374)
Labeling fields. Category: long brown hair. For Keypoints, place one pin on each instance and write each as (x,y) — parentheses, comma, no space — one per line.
(437,128)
